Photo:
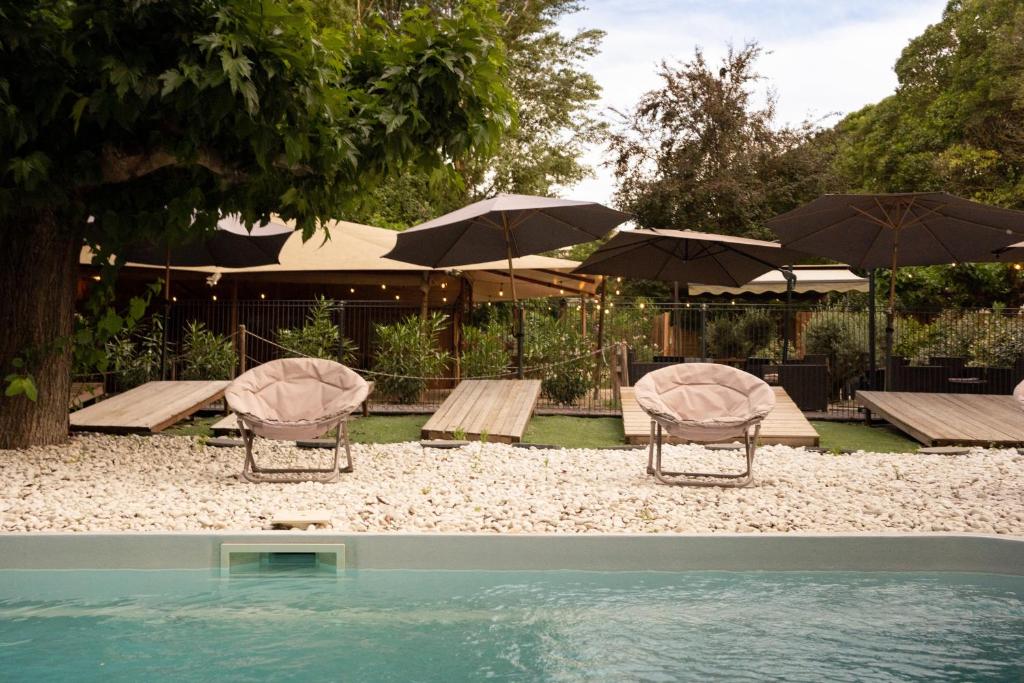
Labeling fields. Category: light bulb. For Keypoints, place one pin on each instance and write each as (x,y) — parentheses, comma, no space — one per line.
(262,295)
(214,297)
(383,286)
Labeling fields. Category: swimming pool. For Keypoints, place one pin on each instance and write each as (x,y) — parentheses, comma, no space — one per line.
(540,608)
(394,625)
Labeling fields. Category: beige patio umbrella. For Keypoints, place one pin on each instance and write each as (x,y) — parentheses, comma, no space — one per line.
(892,230)
(505,226)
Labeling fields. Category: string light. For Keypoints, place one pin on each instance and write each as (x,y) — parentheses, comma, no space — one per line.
(397,297)
(1016,266)
(97,278)
(351,290)
(501,292)
(443,285)
(383,286)
(174,298)
(642,305)
(444,299)
(262,295)
(561,291)
(214,297)
(618,291)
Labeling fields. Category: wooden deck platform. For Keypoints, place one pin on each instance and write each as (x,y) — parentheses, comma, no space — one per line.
(499,407)
(785,425)
(152,407)
(950,419)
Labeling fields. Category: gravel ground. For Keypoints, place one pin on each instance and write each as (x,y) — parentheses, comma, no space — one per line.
(115,483)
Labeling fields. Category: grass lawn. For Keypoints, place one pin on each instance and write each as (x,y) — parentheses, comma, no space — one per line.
(582,432)
(851,436)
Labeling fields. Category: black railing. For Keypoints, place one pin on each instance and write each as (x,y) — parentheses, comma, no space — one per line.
(827,357)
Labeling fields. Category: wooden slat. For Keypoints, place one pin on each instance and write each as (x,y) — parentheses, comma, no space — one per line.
(785,425)
(950,419)
(83,392)
(152,407)
(500,407)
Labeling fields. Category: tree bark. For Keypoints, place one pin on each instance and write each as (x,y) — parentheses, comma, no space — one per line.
(38,277)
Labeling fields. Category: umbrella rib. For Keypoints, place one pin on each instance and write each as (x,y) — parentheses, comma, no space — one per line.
(451,246)
(920,220)
(566,223)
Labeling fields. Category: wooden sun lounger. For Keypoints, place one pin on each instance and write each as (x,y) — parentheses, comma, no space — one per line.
(151,407)
(498,407)
(785,425)
(949,419)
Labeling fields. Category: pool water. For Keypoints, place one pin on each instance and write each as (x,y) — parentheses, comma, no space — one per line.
(522,626)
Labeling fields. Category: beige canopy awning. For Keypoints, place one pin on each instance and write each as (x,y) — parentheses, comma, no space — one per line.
(819,279)
(355,248)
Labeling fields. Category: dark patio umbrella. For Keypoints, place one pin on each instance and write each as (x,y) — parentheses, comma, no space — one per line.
(892,230)
(693,257)
(506,226)
(231,245)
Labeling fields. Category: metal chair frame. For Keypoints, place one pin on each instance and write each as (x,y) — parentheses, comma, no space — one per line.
(285,475)
(751,431)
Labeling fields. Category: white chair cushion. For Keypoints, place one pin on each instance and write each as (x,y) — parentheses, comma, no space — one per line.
(295,398)
(704,401)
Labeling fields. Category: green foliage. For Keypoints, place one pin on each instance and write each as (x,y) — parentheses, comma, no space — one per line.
(699,152)
(410,348)
(147,121)
(740,335)
(555,343)
(631,324)
(486,350)
(319,337)
(953,124)
(1002,345)
(842,337)
(135,354)
(555,101)
(205,355)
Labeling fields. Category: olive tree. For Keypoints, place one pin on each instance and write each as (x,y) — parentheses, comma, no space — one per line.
(131,120)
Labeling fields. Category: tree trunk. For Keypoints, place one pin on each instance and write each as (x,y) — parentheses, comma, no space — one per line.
(38,277)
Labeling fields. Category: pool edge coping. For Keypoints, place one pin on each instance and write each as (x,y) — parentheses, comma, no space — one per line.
(810,551)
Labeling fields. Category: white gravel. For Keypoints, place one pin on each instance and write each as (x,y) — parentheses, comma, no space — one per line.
(108,483)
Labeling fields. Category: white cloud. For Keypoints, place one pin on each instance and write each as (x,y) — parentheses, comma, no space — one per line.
(824,56)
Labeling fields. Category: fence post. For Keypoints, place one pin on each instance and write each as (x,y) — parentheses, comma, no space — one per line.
(241,349)
(703,332)
(340,316)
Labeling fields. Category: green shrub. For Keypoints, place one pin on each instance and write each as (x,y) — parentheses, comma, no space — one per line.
(205,354)
(553,342)
(1001,345)
(410,348)
(134,356)
(740,335)
(633,325)
(842,337)
(486,350)
(319,337)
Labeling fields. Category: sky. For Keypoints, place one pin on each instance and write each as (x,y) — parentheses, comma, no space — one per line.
(827,57)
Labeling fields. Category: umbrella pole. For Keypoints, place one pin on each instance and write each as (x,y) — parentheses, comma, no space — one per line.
(872,333)
(167,315)
(517,313)
(790,282)
(890,314)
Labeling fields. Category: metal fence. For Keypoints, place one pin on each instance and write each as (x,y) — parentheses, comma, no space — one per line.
(820,355)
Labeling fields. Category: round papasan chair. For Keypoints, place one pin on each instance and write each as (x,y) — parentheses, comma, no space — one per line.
(703,403)
(295,399)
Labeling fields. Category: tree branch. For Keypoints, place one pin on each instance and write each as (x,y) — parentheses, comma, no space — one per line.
(118,166)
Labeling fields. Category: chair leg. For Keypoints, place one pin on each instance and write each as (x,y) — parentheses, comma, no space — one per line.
(650,450)
(343,435)
(741,479)
(252,472)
